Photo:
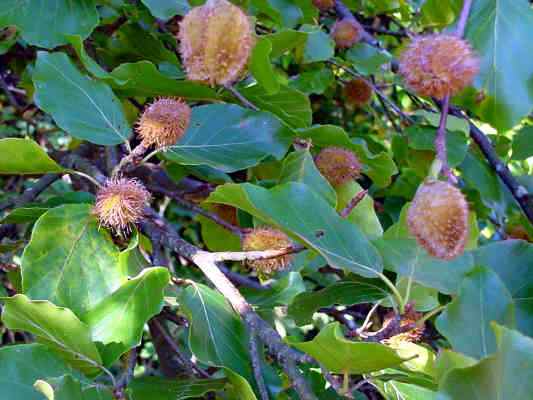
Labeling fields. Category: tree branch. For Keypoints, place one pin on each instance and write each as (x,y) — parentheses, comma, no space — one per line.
(256,367)
(353,203)
(255,255)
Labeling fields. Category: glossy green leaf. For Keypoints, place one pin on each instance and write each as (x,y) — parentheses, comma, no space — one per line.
(407,258)
(22,365)
(449,360)
(261,66)
(56,327)
(217,335)
(70,261)
(523,143)
(239,387)
(363,215)
(120,317)
(282,12)
(56,19)
(498,30)
(299,166)
(315,81)
(67,387)
(303,213)
(512,261)
(84,108)
(423,138)
(156,388)
(399,391)
(142,78)
(230,138)
(346,292)
(288,104)
(505,375)
(24,156)
(165,9)
(379,167)
(367,59)
(482,298)
(340,355)
(440,13)
(285,40)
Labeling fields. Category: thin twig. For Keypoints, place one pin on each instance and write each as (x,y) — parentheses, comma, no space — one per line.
(353,203)
(256,367)
(255,255)
(463,18)
(127,376)
(30,194)
(241,98)
(130,161)
(440,142)
(5,87)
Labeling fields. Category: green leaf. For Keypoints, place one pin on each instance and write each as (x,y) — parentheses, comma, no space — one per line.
(496,29)
(24,156)
(282,12)
(400,390)
(165,9)
(505,375)
(482,298)
(280,293)
(319,46)
(299,210)
(379,167)
(407,258)
(439,13)
(216,336)
(347,292)
(423,138)
(120,317)
(424,298)
(299,166)
(523,143)
(229,138)
(449,360)
(56,327)
(70,261)
(315,81)
(22,365)
(239,388)
(288,104)
(68,388)
(261,67)
(285,40)
(84,108)
(142,78)
(45,25)
(340,355)
(90,65)
(363,215)
(155,388)
(511,260)
(367,59)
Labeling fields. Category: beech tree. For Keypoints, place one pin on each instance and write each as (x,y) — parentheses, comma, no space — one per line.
(266,199)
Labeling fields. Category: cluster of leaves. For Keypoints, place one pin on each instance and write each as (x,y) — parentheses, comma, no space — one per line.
(75,76)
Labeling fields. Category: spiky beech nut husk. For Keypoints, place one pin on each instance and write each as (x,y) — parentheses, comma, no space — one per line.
(338,165)
(120,204)
(410,317)
(266,238)
(346,33)
(215,42)
(438,65)
(358,92)
(438,218)
(163,122)
(324,5)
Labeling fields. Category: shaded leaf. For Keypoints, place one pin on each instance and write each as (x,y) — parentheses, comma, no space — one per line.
(229,138)
(24,156)
(261,67)
(367,59)
(319,46)
(281,292)
(482,298)
(523,143)
(55,20)
(165,9)
(155,388)
(84,108)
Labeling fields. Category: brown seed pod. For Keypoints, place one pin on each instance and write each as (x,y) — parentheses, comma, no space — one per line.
(410,317)
(338,165)
(324,5)
(438,218)
(358,92)
(346,33)
(163,122)
(215,42)
(120,204)
(267,239)
(438,65)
